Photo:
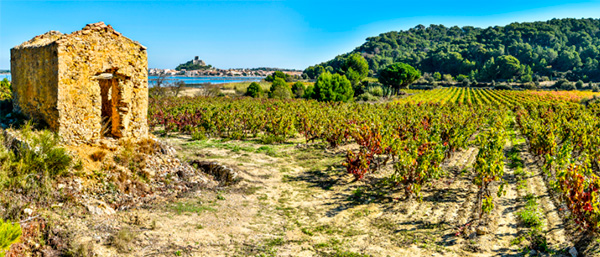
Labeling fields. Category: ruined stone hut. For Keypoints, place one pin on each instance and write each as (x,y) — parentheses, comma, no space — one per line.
(87,85)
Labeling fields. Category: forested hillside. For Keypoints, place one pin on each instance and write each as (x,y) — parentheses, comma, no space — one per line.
(566,48)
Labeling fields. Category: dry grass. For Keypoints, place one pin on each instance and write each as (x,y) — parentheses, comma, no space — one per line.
(98,156)
(241,87)
(122,240)
(147,146)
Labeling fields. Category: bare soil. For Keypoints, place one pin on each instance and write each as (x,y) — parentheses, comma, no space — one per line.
(297,200)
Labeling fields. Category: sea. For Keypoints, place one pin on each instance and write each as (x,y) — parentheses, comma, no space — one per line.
(198,81)
(205,80)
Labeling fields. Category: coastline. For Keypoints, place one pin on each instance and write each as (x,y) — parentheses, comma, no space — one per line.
(191,80)
(202,80)
(208,76)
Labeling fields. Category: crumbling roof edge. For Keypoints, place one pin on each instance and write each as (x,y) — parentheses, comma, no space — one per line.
(54,36)
(41,40)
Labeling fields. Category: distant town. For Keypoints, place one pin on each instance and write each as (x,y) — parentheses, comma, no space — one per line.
(197,67)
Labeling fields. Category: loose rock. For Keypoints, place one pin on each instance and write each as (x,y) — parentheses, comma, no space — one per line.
(97,207)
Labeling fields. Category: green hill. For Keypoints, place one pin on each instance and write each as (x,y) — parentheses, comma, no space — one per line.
(566,48)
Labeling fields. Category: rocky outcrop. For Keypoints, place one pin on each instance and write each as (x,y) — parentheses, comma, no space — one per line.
(224,174)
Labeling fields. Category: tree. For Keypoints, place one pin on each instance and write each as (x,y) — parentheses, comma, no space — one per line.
(280,89)
(4,82)
(254,90)
(568,60)
(356,68)
(353,76)
(489,71)
(526,78)
(309,93)
(561,83)
(466,82)
(314,72)
(278,74)
(398,75)
(158,85)
(334,87)
(569,87)
(461,77)
(508,66)
(550,48)
(447,78)
(579,84)
(179,85)
(298,89)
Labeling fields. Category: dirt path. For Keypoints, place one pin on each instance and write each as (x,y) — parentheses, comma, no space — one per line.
(524,180)
(535,185)
(505,224)
(297,200)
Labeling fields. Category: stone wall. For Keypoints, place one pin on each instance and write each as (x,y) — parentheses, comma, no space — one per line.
(34,71)
(90,52)
(77,62)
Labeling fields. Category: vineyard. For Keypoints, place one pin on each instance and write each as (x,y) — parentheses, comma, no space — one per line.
(473,161)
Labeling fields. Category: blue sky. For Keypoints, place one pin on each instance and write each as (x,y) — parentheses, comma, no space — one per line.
(286,34)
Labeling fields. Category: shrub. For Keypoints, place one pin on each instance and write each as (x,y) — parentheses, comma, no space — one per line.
(5,89)
(595,88)
(367,97)
(579,84)
(526,78)
(9,234)
(461,77)
(147,146)
(466,82)
(568,87)
(122,240)
(529,85)
(298,89)
(309,92)
(560,83)
(278,74)
(376,91)
(254,90)
(98,155)
(334,87)
(212,90)
(280,89)
(447,78)
(426,78)
(503,87)
(272,139)
(199,134)
(33,166)
(360,87)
